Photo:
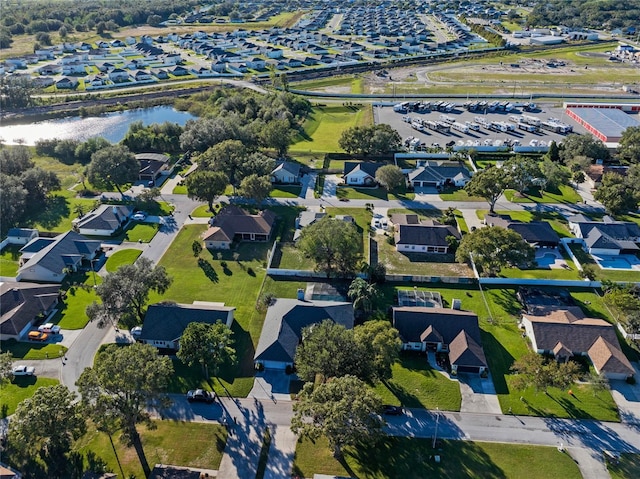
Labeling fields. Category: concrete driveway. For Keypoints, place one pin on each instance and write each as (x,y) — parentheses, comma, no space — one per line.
(271,384)
(478,394)
(330,186)
(627,397)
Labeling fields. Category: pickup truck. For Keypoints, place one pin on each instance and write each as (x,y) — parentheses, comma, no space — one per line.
(21,370)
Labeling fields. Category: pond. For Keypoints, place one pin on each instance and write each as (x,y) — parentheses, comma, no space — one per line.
(112,126)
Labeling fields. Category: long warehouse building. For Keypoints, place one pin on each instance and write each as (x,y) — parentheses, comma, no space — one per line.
(604,121)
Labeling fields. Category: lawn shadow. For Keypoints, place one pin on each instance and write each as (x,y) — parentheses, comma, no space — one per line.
(55,209)
(208,270)
(500,361)
(406,398)
(243,366)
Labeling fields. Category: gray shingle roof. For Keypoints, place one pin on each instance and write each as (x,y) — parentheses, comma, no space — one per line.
(167,322)
(289,167)
(369,168)
(438,173)
(532,232)
(234,220)
(427,235)
(105,217)
(20,303)
(464,351)
(21,232)
(59,253)
(285,320)
(412,322)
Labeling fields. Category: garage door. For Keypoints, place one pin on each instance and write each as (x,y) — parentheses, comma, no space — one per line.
(468,369)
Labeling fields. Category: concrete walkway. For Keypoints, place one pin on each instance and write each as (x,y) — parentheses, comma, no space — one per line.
(308,186)
(590,464)
(330,186)
(281,453)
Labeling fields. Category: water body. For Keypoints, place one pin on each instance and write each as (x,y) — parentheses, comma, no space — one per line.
(112,126)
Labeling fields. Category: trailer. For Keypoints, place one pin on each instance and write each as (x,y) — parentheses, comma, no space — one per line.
(460,127)
(472,126)
(531,120)
(442,127)
(447,119)
(498,126)
(527,127)
(401,107)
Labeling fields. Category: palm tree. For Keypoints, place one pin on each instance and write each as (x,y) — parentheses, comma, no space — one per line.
(362,294)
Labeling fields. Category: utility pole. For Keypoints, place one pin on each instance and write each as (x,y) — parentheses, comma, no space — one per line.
(435,434)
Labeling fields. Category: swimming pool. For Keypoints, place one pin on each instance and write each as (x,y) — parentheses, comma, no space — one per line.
(620,262)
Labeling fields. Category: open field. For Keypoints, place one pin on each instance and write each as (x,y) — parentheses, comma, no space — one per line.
(412,458)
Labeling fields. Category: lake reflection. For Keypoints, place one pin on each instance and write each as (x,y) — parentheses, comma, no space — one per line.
(112,126)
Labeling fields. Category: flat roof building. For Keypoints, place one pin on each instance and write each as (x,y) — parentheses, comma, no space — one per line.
(606,124)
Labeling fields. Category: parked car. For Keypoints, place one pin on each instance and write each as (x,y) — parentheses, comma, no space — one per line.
(49,328)
(200,395)
(22,370)
(392,410)
(37,336)
(140,216)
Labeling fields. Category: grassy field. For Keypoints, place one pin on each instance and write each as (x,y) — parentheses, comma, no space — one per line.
(352,193)
(201,212)
(171,442)
(347,82)
(58,213)
(458,194)
(405,458)
(21,388)
(119,258)
(564,194)
(324,126)
(285,191)
(289,257)
(9,260)
(179,190)
(141,232)
(415,385)
(71,311)
(627,468)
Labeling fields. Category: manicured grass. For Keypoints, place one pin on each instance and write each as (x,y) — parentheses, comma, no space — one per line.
(570,273)
(202,212)
(458,194)
(289,257)
(556,220)
(564,194)
(71,311)
(170,442)
(462,224)
(119,258)
(23,387)
(180,190)
(31,349)
(285,191)
(282,288)
(58,212)
(419,264)
(585,258)
(374,193)
(141,232)
(627,468)
(415,385)
(9,260)
(402,457)
(325,125)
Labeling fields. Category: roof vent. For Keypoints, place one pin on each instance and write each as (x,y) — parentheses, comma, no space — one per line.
(300,294)
(456,304)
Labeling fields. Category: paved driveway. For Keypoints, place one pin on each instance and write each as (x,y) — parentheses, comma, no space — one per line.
(627,397)
(478,394)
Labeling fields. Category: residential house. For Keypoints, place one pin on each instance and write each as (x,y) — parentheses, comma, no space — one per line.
(118,75)
(439,174)
(443,330)
(566,332)
(360,174)
(151,165)
(608,237)
(48,259)
(21,235)
(235,224)
(67,83)
(256,63)
(51,69)
(76,68)
(286,172)
(23,304)
(304,219)
(179,71)
(105,220)
(539,234)
(164,323)
(141,75)
(283,325)
(413,235)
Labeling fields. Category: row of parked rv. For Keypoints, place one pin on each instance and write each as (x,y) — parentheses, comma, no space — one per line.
(415,144)
(424,106)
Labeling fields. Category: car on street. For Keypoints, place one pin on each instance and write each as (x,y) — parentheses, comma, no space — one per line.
(139,216)
(49,328)
(22,370)
(37,336)
(392,410)
(200,395)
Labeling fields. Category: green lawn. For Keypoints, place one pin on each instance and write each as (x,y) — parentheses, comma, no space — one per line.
(287,256)
(202,212)
(403,458)
(31,350)
(71,311)
(179,190)
(324,83)
(9,260)
(414,384)
(58,213)
(458,194)
(283,288)
(362,218)
(119,258)
(556,220)
(585,258)
(23,387)
(285,191)
(374,193)
(325,124)
(564,194)
(141,232)
(628,467)
(171,442)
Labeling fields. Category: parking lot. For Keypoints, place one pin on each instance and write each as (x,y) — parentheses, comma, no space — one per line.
(482,137)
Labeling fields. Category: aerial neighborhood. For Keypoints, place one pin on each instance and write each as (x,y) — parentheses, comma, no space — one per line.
(319,240)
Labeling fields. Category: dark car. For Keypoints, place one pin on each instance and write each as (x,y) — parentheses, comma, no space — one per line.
(392,410)
(200,395)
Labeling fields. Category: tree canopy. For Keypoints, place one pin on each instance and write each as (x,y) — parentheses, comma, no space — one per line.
(390,176)
(206,185)
(343,410)
(209,345)
(533,369)
(113,166)
(493,248)
(489,184)
(629,145)
(363,294)
(582,145)
(370,140)
(256,188)
(617,194)
(333,244)
(521,172)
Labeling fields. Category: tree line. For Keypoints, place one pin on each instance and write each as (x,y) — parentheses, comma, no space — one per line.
(578,14)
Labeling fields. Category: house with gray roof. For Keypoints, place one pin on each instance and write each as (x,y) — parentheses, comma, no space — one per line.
(437,329)
(539,234)
(286,172)
(438,174)
(105,220)
(21,235)
(360,173)
(606,237)
(283,325)
(23,304)
(47,259)
(427,236)
(235,224)
(304,219)
(151,165)
(164,323)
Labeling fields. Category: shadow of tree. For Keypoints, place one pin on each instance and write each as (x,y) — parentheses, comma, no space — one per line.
(500,361)
(52,213)
(208,270)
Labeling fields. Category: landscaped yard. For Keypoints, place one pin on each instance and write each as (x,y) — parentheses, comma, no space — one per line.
(458,194)
(556,220)
(563,194)
(21,388)
(171,442)
(379,193)
(402,458)
(9,260)
(415,385)
(325,124)
(141,232)
(122,257)
(202,211)
(362,218)
(58,213)
(32,350)
(288,256)
(585,258)
(71,311)
(285,191)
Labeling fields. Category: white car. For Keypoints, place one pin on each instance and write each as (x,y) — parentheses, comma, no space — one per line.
(22,370)
(49,328)
(139,216)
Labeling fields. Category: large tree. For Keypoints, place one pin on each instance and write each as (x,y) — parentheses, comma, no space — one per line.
(209,345)
(45,426)
(616,194)
(333,244)
(256,188)
(362,294)
(206,185)
(15,160)
(492,248)
(489,184)
(113,166)
(533,369)
(277,134)
(390,176)
(344,410)
(125,293)
(629,145)
(13,200)
(521,172)
(381,346)
(122,384)
(228,157)
(39,183)
(370,140)
(553,175)
(583,145)
(6,367)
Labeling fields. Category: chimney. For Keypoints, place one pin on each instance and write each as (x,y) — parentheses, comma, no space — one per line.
(300,294)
